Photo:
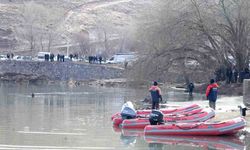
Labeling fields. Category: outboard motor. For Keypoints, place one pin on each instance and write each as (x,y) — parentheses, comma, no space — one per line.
(156,117)
(128,111)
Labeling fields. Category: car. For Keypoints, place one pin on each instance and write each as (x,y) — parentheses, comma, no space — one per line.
(22,58)
(41,56)
(3,57)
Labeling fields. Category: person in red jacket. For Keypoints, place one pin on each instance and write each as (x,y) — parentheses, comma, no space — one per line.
(156,97)
(211,93)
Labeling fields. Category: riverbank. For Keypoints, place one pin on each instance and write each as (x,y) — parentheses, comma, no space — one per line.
(76,74)
(39,72)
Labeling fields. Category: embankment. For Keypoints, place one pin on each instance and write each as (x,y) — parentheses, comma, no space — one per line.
(32,71)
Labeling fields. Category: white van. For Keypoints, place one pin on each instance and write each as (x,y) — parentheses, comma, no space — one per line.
(121,58)
(41,56)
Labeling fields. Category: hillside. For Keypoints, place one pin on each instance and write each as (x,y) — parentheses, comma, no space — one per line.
(114,16)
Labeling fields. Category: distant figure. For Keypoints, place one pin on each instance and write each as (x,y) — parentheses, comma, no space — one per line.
(71,56)
(11,55)
(32,95)
(63,58)
(156,97)
(100,59)
(229,75)
(125,64)
(52,57)
(190,88)
(58,57)
(247,73)
(90,59)
(241,76)
(46,57)
(8,56)
(235,75)
(211,93)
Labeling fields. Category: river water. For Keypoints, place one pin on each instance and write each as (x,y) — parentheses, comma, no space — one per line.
(63,117)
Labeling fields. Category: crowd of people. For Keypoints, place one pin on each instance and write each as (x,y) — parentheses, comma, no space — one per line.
(95,59)
(232,75)
(10,55)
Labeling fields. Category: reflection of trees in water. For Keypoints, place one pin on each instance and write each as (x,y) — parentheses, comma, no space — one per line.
(51,101)
(155,146)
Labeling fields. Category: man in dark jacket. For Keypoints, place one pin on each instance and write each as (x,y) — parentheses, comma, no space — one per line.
(190,89)
(211,93)
(156,97)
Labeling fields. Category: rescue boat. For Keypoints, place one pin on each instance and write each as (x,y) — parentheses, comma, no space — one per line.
(200,116)
(117,121)
(226,127)
(172,111)
(186,110)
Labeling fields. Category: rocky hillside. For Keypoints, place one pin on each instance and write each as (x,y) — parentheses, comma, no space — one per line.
(89,15)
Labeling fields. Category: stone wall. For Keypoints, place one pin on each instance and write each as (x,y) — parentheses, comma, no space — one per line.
(246,92)
(60,71)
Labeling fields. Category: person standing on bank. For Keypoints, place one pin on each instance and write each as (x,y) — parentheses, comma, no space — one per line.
(156,97)
(190,89)
(211,93)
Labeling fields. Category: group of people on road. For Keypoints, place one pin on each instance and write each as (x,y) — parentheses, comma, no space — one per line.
(95,59)
(50,57)
(211,93)
(10,55)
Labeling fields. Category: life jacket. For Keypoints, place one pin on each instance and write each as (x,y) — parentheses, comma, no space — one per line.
(155,92)
(212,91)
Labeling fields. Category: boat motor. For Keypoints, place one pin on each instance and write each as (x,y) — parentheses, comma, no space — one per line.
(156,117)
(128,111)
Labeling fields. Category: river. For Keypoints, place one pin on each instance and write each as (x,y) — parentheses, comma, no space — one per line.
(63,117)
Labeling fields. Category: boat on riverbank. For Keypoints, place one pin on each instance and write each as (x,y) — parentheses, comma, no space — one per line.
(226,127)
(140,123)
(192,108)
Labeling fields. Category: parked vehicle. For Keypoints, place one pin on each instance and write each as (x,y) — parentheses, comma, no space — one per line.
(3,57)
(41,56)
(121,58)
(22,58)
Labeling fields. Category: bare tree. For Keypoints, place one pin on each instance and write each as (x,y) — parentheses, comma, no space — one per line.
(226,28)
(38,27)
(82,39)
(195,31)
(106,33)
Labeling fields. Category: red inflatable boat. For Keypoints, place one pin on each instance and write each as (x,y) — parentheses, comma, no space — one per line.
(193,108)
(203,128)
(200,116)
(164,111)
(118,121)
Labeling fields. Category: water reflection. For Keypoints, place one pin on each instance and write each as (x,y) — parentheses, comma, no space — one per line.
(155,146)
(207,142)
(130,137)
(128,140)
(59,117)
